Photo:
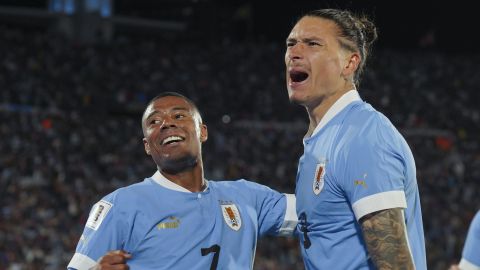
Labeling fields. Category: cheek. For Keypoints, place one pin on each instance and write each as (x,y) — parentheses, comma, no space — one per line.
(326,68)
(152,139)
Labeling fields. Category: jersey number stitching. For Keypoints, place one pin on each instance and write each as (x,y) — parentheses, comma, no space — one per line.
(303,228)
(215,249)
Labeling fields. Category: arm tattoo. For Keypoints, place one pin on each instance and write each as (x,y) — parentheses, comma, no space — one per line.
(384,234)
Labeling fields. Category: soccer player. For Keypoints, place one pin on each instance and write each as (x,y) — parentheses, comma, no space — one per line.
(177,219)
(471,250)
(357,196)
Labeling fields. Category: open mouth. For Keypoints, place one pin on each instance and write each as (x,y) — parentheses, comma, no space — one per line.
(172,139)
(298,76)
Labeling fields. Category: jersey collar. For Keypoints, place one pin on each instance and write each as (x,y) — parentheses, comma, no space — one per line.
(164,182)
(336,108)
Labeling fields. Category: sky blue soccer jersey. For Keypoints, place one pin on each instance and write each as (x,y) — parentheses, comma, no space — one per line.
(471,250)
(355,163)
(165,226)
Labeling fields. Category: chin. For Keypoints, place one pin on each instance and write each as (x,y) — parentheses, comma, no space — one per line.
(295,98)
(179,164)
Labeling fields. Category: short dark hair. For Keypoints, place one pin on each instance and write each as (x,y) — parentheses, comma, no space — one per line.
(357,29)
(171,94)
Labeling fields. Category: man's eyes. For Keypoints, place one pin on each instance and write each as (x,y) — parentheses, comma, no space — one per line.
(175,116)
(310,43)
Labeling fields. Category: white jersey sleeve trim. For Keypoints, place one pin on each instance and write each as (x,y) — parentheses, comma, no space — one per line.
(81,262)
(290,221)
(466,265)
(379,201)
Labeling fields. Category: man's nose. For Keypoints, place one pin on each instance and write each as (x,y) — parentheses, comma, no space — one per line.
(295,51)
(167,122)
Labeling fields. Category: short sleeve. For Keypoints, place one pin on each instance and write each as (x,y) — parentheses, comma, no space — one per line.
(372,169)
(470,255)
(104,231)
(276,211)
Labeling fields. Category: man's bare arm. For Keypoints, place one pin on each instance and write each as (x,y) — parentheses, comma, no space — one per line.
(386,239)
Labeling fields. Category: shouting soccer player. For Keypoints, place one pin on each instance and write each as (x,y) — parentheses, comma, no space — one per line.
(357,195)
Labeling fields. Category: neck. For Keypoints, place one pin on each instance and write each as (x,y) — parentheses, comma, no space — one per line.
(190,178)
(316,111)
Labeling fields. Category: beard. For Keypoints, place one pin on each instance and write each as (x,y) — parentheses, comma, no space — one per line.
(178,165)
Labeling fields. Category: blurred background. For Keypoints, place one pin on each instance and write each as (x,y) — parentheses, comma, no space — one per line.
(75,76)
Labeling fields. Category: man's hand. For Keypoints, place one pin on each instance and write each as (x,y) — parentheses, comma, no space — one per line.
(113,260)
(454,267)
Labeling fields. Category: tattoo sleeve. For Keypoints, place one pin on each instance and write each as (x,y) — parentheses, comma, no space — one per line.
(386,239)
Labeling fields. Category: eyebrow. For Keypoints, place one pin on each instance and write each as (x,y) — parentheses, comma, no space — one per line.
(307,39)
(173,109)
(290,40)
(180,109)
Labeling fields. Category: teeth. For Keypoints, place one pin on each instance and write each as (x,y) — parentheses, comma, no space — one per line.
(172,139)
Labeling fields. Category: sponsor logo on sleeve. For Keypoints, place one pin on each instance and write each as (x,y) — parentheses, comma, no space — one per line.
(361,182)
(100,210)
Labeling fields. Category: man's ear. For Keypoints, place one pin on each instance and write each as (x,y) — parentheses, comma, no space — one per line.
(351,65)
(147,146)
(203,133)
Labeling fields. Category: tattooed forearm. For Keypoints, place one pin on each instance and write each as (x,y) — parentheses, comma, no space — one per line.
(384,234)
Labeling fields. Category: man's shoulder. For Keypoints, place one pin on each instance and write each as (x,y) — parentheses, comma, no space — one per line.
(233,183)
(124,194)
(364,129)
(238,185)
(364,113)
(476,222)
(363,121)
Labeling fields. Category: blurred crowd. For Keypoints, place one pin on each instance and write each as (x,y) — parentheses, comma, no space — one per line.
(70,132)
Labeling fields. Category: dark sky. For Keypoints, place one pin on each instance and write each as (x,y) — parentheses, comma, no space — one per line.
(443,25)
(439,24)
(447,25)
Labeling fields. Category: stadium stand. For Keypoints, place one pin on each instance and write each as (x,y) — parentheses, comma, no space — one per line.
(70,132)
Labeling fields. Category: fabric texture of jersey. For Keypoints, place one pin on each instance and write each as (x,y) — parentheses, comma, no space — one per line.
(471,251)
(169,228)
(355,163)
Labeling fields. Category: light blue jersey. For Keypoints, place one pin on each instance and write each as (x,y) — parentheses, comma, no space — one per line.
(165,226)
(355,163)
(471,250)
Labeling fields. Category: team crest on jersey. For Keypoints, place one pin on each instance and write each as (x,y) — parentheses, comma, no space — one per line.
(231,215)
(319,179)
